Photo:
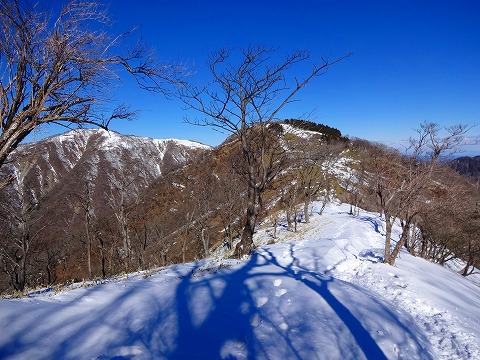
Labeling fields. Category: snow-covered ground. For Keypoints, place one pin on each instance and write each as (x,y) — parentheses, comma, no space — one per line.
(320,293)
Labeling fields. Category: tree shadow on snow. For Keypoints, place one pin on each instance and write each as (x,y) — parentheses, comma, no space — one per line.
(210,314)
(375,224)
(228,329)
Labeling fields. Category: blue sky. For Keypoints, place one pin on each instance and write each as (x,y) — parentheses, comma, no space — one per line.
(413,61)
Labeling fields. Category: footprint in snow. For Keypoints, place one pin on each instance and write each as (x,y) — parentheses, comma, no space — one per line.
(262,301)
(255,321)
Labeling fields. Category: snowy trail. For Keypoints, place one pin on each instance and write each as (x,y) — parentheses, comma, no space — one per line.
(324,296)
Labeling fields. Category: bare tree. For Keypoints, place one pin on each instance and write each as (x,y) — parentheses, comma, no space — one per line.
(85,207)
(356,180)
(289,202)
(20,231)
(202,191)
(244,99)
(162,244)
(316,175)
(230,192)
(121,200)
(401,183)
(59,68)
(448,227)
(471,227)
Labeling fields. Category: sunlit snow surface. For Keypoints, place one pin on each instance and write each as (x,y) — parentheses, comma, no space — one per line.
(319,294)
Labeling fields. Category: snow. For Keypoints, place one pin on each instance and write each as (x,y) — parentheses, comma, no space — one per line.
(112,139)
(304,134)
(320,293)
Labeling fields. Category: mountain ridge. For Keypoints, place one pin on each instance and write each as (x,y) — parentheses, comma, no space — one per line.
(467,165)
(60,181)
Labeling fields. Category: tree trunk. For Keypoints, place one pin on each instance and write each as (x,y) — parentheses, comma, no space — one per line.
(103,257)
(466,269)
(22,274)
(413,239)
(104,266)
(324,204)
(205,242)
(184,248)
(398,247)
(388,236)
(423,247)
(289,217)
(89,244)
(50,275)
(245,246)
(163,257)
(275,224)
(305,210)
(406,228)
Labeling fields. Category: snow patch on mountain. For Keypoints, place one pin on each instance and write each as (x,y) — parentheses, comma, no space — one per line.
(94,153)
(304,134)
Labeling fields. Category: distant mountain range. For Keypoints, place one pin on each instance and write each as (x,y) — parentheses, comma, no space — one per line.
(467,165)
(98,155)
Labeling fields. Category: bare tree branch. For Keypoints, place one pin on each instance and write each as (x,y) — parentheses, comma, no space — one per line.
(60,69)
(244,99)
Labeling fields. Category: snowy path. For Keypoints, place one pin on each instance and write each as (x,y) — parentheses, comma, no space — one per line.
(321,297)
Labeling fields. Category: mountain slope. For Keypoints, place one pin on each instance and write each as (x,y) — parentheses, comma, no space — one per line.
(65,184)
(467,165)
(97,153)
(320,294)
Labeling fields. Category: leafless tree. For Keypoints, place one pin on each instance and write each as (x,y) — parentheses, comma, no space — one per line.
(244,99)
(316,174)
(122,200)
(401,183)
(230,191)
(448,227)
(59,68)
(162,244)
(85,207)
(356,180)
(471,227)
(289,202)
(20,230)
(202,191)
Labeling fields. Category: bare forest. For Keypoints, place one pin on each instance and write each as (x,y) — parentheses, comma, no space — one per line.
(72,211)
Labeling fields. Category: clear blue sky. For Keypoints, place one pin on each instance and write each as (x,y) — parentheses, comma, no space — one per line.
(413,61)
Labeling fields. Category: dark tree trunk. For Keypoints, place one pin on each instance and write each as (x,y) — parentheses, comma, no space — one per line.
(406,228)
(398,247)
(388,236)
(245,246)
(466,270)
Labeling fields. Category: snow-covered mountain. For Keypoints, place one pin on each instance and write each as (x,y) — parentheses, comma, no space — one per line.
(320,293)
(61,180)
(99,155)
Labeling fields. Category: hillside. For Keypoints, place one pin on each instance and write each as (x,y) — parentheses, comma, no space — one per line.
(66,183)
(97,203)
(467,165)
(97,153)
(320,293)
